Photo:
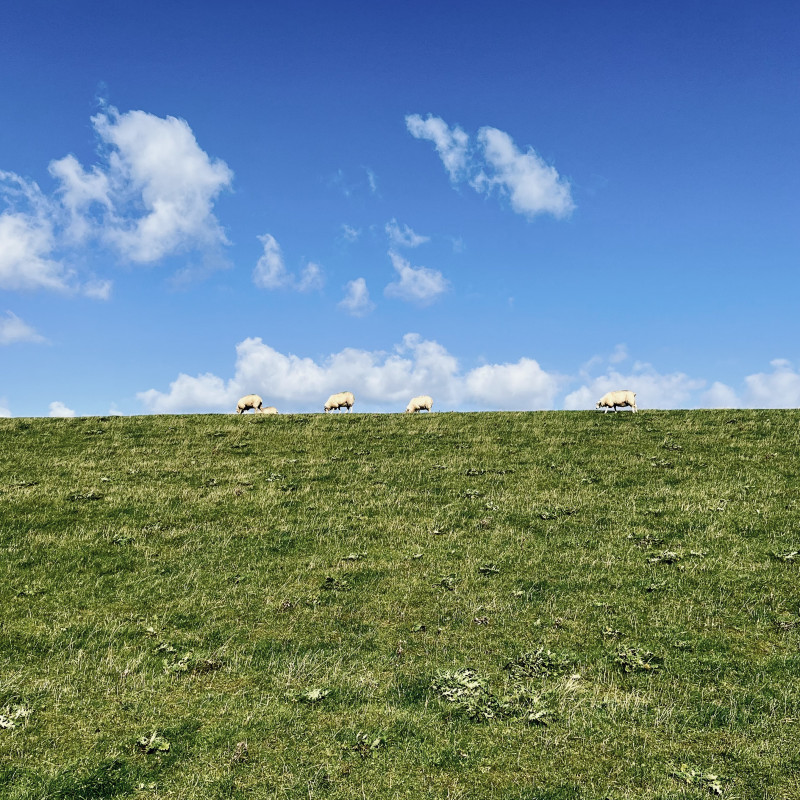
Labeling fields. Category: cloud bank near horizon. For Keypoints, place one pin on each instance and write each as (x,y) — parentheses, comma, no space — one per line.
(383,381)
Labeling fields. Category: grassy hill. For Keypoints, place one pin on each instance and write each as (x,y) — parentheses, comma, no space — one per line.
(527,606)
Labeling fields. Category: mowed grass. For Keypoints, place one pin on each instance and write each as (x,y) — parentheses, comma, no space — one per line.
(527,606)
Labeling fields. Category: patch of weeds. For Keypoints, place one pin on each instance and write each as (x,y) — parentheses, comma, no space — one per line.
(787,621)
(633,659)
(13,716)
(353,557)
(489,569)
(79,497)
(646,540)
(665,557)
(332,584)
(447,582)
(366,745)
(312,696)
(466,693)
(556,512)
(696,777)
(661,463)
(538,664)
(153,742)
(191,664)
(791,555)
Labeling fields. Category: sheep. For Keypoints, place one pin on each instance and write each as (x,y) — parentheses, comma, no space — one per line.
(269,410)
(423,402)
(339,401)
(622,398)
(250,401)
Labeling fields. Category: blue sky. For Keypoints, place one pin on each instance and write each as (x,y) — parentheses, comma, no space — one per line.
(518,206)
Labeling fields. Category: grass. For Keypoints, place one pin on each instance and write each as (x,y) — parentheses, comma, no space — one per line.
(522,606)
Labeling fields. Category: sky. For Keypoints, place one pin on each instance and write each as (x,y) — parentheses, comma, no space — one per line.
(515,206)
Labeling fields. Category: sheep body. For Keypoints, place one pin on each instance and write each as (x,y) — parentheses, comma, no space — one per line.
(422,402)
(339,401)
(622,398)
(269,410)
(250,401)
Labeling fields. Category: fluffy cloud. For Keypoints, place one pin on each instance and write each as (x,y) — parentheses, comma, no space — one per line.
(495,163)
(418,285)
(271,273)
(58,409)
(778,389)
(356,300)
(28,239)
(154,164)
(4,412)
(404,237)
(152,197)
(13,329)
(379,380)
(532,186)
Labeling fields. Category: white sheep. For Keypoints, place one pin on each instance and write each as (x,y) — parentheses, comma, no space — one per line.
(339,401)
(622,398)
(250,401)
(269,410)
(423,402)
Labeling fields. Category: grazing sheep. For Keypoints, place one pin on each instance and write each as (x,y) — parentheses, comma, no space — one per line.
(250,401)
(340,400)
(622,398)
(423,402)
(269,410)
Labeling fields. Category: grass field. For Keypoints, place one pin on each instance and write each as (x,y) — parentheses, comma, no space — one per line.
(527,606)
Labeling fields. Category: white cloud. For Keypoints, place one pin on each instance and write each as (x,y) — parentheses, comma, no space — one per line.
(154,164)
(533,186)
(720,395)
(778,389)
(379,380)
(13,329)
(356,300)
(495,162)
(350,234)
(522,386)
(653,389)
(451,143)
(4,410)
(58,409)
(419,285)
(310,278)
(271,273)
(404,237)
(28,239)
(153,196)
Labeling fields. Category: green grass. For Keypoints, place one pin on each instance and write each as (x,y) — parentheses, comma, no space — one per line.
(526,606)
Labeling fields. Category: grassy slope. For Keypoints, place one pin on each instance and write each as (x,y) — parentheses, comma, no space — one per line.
(313,586)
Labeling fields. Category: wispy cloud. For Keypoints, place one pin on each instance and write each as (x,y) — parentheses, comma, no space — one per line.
(419,285)
(495,163)
(404,237)
(270,272)
(13,329)
(356,300)
(451,143)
